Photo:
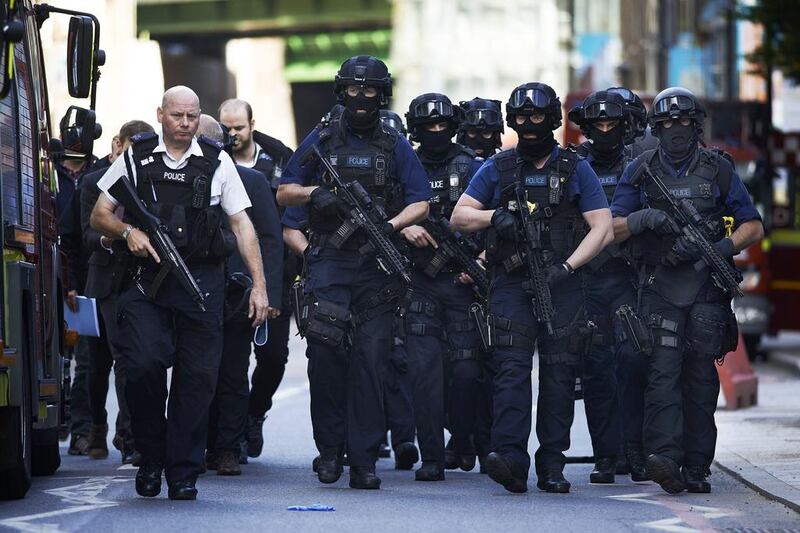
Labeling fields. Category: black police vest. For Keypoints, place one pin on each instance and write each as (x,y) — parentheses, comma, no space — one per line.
(372,165)
(559,219)
(180,197)
(697,186)
(448,178)
(266,165)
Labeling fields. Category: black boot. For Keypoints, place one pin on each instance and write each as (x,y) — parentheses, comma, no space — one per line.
(665,472)
(553,481)
(405,455)
(695,478)
(182,490)
(329,466)
(503,471)
(255,435)
(148,480)
(635,457)
(363,477)
(430,472)
(450,458)
(604,470)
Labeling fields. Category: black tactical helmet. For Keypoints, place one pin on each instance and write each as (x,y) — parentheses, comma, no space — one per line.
(636,110)
(391,119)
(481,114)
(600,105)
(676,102)
(429,108)
(531,98)
(363,70)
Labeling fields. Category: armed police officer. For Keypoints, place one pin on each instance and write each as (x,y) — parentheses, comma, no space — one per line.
(605,121)
(170,311)
(481,126)
(671,201)
(256,150)
(346,365)
(537,200)
(439,334)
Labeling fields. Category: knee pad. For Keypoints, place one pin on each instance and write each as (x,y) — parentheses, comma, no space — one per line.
(711,331)
(328,323)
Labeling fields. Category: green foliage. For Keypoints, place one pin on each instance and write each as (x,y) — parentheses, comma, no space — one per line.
(781,45)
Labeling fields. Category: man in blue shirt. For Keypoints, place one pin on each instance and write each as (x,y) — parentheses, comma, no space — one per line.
(563,196)
(346,366)
(688,314)
(439,337)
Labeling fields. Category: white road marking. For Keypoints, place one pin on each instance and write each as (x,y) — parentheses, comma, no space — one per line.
(687,515)
(673,525)
(640,497)
(289,392)
(83,497)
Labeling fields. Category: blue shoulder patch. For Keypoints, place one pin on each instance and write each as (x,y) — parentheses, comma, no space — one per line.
(145,135)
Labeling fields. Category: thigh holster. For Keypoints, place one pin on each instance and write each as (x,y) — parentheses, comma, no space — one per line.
(604,333)
(416,314)
(711,331)
(505,332)
(328,323)
(664,331)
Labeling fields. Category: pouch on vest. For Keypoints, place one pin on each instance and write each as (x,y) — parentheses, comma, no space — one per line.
(708,330)
(174,217)
(679,285)
(238,286)
(328,323)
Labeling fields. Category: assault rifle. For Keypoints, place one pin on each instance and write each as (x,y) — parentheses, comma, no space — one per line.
(171,260)
(541,299)
(724,275)
(365,214)
(454,246)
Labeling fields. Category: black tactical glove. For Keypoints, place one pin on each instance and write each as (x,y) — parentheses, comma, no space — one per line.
(505,223)
(652,219)
(324,201)
(556,274)
(725,247)
(682,251)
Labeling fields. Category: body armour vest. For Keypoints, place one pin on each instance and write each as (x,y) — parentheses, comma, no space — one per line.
(697,186)
(266,165)
(372,165)
(611,256)
(448,177)
(180,198)
(558,217)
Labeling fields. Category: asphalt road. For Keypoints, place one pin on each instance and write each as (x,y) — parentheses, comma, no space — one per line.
(90,495)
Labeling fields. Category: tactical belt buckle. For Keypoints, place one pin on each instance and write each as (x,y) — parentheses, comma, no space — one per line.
(548,212)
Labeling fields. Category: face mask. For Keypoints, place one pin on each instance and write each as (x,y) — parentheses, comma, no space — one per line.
(678,142)
(539,147)
(483,147)
(361,121)
(607,142)
(434,142)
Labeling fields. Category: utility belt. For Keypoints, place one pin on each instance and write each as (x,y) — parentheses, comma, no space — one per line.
(330,240)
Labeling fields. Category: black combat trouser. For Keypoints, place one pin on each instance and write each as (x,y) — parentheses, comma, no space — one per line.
(271,359)
(227,417)
(108,314)
(515,335)
(683,384)
(440,337)
(171,331)
(399,396)
(347,380)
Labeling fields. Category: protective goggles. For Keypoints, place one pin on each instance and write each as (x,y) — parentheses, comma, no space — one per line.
(672,104)
(432,109)
(600,110)
(474,117)
(531,97)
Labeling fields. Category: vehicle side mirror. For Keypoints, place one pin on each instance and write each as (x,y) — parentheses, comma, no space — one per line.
(80,56)
(79,129)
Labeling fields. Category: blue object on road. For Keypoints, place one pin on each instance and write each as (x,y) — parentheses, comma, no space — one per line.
(315,507)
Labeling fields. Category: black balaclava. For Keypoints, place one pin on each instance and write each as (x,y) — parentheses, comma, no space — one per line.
(361,122)
(678,142)
(483,147)
(606,146)
(434,144)
(539,147)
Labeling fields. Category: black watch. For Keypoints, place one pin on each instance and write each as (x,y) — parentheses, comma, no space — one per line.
(568,268)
